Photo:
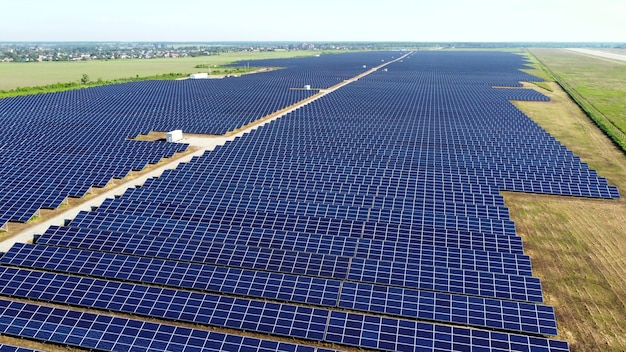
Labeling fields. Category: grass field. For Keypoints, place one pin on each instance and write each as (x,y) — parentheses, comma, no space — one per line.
(577,245)
(44,73)
(602,82)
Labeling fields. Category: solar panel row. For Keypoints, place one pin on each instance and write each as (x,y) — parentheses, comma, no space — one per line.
(396,251)
(173,194)
(276,217)
(384,272)
(283,287)
(9,348)
(412,233)
(268,317)
(103,332)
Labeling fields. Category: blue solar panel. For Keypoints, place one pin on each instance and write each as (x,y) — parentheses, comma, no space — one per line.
(223,311)
(459,309)
(209,278)
(103,332)
(393,335)
(291,288)
(397,251)
(327,266)
(71,153)
(9,348)
(412,233)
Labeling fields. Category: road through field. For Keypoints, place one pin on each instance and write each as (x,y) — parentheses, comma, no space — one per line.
(599,54)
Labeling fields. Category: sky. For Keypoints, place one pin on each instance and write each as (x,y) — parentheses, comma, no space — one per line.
(314,20)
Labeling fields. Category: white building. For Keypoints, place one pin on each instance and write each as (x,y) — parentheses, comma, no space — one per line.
(199,75)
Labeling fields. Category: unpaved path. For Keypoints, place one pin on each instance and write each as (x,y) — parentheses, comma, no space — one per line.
(599,53)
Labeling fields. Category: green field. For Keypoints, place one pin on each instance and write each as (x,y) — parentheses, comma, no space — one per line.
(601,82)
(15,75)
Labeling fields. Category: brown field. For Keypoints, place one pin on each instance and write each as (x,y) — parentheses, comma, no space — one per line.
(578,245)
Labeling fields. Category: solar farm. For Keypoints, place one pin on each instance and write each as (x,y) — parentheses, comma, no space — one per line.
(369,218)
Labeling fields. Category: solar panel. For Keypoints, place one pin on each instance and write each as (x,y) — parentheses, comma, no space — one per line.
(9,348)
(408,303)
(223,311)
(410,232)
(414,252)
(392,335)
(209,278)
(104,332)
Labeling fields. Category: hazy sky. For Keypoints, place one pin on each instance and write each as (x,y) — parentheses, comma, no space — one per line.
(313,20)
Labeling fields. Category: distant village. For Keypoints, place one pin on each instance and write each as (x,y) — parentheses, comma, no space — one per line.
(38,52)
(72,51)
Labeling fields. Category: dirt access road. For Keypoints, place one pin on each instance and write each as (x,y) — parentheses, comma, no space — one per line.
(599,53)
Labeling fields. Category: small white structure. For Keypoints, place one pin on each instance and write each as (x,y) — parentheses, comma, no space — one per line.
(307,87)
(201,75)
(385,70)
(174,136)
(364,66)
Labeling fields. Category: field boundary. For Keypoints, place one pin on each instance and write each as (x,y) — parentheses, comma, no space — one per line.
(615,134)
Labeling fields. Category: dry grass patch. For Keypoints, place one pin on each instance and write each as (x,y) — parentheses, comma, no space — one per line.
(577,245)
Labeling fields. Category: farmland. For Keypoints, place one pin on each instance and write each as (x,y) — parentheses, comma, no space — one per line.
(45,73)
(601,83)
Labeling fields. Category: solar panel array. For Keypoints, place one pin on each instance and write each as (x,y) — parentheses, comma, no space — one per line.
(369,218)
(49,150)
